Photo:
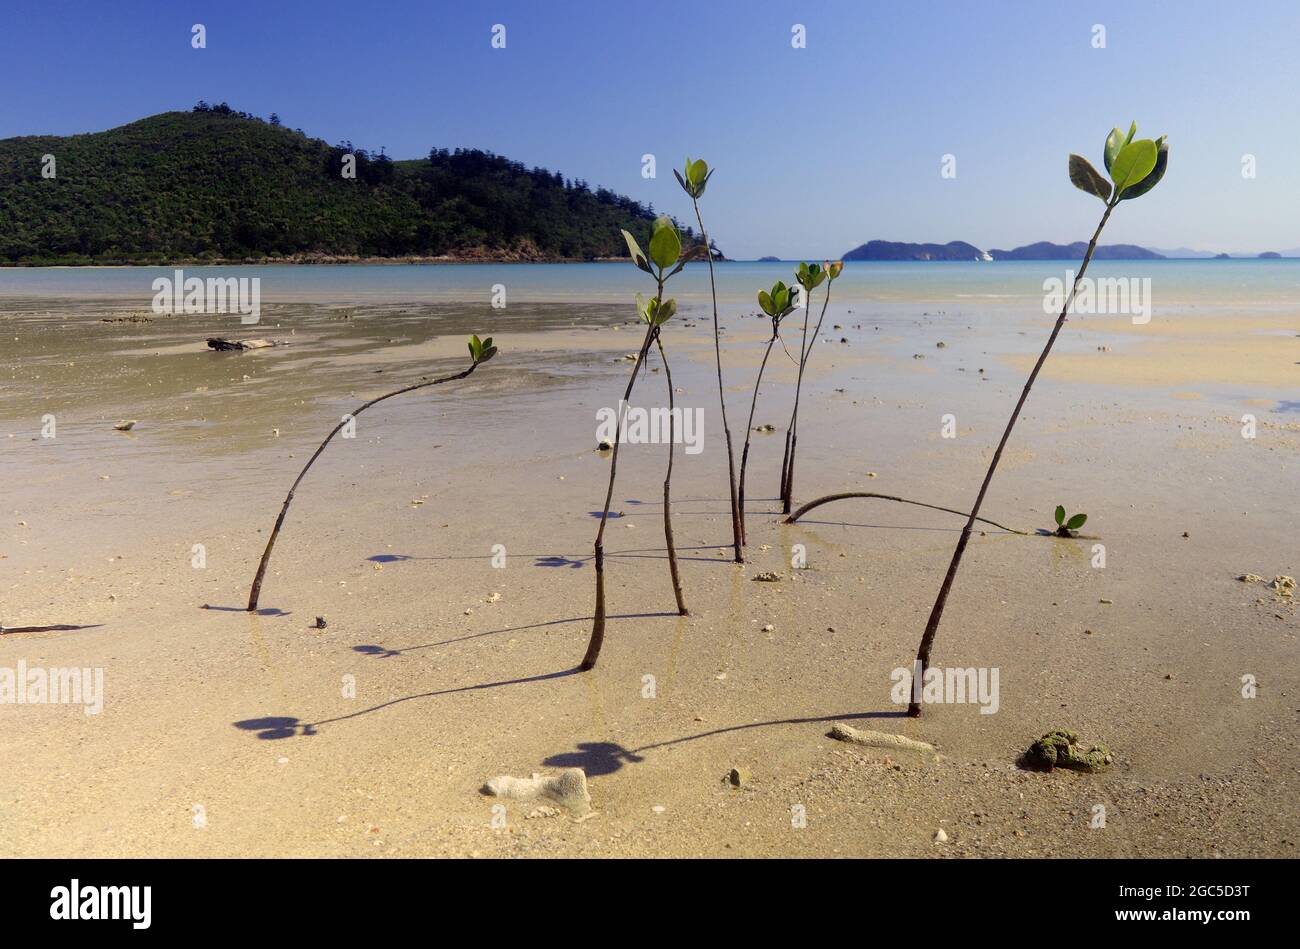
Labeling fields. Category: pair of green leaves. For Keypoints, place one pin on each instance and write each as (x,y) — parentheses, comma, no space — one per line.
(665,249)
(665,246)
(1135,167)
(481,350)
(694,176)
(654,311)
(1073,524)
(778,303)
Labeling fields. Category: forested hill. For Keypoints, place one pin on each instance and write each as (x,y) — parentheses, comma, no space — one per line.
(214,184)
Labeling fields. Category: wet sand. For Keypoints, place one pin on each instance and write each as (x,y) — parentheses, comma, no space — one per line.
(244,718)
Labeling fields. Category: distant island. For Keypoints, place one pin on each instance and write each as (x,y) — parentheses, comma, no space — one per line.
(218,186)
(769,260)
(960,250)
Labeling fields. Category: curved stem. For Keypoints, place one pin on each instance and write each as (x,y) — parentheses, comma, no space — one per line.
(749,428)
(889,497)
(737,528)
(256,590)
(598,620)
(936,613)
(668,482)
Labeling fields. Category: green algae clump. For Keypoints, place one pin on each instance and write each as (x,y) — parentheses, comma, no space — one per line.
(1060,748)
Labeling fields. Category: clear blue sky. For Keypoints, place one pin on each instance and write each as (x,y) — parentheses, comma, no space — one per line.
(817,149)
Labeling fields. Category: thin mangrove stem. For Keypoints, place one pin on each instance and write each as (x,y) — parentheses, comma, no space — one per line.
(598,620)
(737,527)
(256,590)
(749,427)
(792,434)
(668,482)
(936,614)
(889,497)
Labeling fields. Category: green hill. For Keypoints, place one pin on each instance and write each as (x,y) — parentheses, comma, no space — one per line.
(214,184)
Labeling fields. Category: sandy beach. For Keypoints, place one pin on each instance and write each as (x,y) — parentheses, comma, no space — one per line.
(229,734)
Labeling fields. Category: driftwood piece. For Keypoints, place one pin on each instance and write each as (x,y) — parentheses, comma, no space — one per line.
(874,739)
(226,345)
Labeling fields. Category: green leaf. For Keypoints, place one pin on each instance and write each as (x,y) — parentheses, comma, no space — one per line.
(1134,162)
(488,354)
(1114,142)
(765,302)
(638,255)
(665,311)
(697,172)
(666,246)
(1086,178)
(1153,179)
(1074,523)
(682,181)
(1060,513)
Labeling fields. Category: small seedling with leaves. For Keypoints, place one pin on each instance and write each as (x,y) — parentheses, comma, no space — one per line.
(1066,528)
(662,260)
(777,304)
(1135,167)
(694,178)
(810,276)
(480,351)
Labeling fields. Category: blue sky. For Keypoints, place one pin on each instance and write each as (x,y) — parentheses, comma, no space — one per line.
(817,149)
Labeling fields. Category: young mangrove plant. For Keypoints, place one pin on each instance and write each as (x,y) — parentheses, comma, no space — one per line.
(1066,528)
(810,276)
(693,179)
(480,351)
(777,304)
(665,251)
(1135,168)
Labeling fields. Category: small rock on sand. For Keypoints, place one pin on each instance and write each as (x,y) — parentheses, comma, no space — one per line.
(940,837)
(125,426)
(766,577)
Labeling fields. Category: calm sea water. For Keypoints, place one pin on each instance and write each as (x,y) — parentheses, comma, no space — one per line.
(1240,283)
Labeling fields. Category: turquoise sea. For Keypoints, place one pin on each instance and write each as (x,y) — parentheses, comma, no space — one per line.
(1233,283)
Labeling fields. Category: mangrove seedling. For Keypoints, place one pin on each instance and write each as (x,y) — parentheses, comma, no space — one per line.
(809,276)
(777,304)
(480,351)
(664,252)
(1135,168)
(1066,528)
(693,179)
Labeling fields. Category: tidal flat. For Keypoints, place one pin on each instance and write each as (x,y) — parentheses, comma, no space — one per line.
(448,547)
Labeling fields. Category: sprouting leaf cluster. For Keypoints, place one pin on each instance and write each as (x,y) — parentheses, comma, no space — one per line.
(481,350)
(694,177)
(1066,528)
(777,303)
(1135,167)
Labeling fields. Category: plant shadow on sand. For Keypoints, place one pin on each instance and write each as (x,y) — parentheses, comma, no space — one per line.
(384,652)
(553,560)
(281,726)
